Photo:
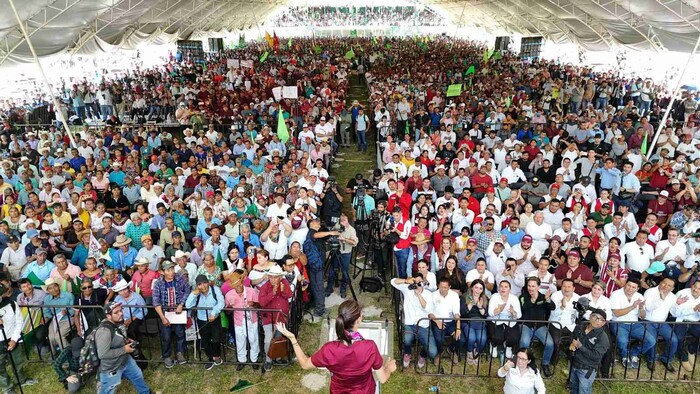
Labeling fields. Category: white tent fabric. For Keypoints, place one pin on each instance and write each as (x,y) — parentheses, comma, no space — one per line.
(80,26)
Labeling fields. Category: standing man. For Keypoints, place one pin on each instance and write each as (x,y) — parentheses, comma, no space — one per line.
(208,321)
(114,351)
(315,252)
(169,295)
(589,345)
(361,126)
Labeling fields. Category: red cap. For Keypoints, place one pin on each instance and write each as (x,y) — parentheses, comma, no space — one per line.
(573,253)
(504,180)
(490,190)
(527,238)
(478,220)
(614,256)
(471,241)
(555,186)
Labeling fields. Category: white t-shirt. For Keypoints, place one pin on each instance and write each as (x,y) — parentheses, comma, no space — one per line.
(619,300)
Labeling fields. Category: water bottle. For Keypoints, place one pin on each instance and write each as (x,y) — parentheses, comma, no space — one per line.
(434,389)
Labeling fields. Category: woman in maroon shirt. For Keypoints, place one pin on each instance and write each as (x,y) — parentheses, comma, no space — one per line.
(351,359)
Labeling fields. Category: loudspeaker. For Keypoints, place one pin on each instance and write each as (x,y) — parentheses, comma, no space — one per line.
(216,44)
(530,47)
(502,43)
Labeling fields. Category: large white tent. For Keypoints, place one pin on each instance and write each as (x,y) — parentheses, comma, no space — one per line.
(87,26)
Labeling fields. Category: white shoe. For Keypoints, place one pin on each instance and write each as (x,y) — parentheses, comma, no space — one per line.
(509,352)
(494,351)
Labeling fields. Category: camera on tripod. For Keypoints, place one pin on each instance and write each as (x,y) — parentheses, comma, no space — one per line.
(333,242)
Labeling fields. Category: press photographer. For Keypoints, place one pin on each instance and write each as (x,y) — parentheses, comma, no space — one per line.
(114,352)
(340,248)
(315,251)
(377,233)
(589,345)
(332,199)
(11,322)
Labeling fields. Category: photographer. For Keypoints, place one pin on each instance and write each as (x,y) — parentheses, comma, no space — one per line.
(377,233)
(332,198)
(417,306)
(589,345)
(347,240)
(114,351)
(315,253)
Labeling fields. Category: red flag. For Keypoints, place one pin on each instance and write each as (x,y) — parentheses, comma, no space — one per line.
(275,41)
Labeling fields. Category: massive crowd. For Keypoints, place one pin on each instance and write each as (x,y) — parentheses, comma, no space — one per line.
(528,191)
(358,16)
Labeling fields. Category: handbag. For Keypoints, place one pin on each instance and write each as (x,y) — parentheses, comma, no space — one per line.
(392,238)
(278,348)
(371,284)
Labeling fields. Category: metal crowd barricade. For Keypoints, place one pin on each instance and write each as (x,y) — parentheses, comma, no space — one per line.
(453,363)
(149,332)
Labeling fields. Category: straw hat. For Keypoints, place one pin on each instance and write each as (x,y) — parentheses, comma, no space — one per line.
(420,239)
(121,241)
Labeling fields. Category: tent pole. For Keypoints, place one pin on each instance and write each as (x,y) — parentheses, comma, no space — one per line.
(57,107)
(677,90)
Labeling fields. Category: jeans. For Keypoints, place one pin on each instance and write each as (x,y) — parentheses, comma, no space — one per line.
(131,371)
(316,285)
(79,111)
(401,256)
(362,140)
(625,331)
(666,332)
(574,106)
(19,358)
(424,339)
(106,111)
(440,334)
(601,103)
(684,331)
(166,333)
(344,267)
(474,336)
(542,333)
(644,107)
(580,384)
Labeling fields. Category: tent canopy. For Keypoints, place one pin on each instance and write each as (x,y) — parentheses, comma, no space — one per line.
(86,26)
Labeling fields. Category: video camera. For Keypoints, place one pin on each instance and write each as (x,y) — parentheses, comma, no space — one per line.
(582,306)
(414,286)
(333,242)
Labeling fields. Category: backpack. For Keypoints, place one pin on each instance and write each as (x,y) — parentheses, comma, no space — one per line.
(89,360)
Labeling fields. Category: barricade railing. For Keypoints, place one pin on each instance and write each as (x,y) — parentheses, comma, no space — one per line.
(648,341)
(244,337)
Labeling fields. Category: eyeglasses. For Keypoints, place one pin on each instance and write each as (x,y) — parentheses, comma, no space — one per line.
(523,359)
(596,317)
(86,287)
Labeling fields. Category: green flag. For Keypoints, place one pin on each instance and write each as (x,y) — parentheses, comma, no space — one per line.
(220,260)
(508,102)
(497,56)
(353,33)
(318,49)
(350,54)
(374,39)
(264,56)
(454,90)
(470,70)
(645,143)
(241,40)
(491,52)
(485,56)
(289,43)
(388,46)
(282,131)
(35,279)
(224,320)
(76,284)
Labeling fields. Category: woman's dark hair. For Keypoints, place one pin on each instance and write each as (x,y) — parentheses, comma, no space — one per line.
(530,356)
(348,313)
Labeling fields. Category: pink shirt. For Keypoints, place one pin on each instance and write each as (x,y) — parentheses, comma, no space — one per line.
(72,271)
(235,300)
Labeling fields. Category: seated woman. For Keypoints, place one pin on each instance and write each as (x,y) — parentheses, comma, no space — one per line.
(453,274)
(474,306)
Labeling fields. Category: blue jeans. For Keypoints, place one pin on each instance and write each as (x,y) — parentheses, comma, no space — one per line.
(474,336)
(542,334)
(440,334)
(106,111)
(166,333)
(401,256)
(625,331)
(344,264)
(424,339)
(362,139)
(79,111)
(666,332)
(574,106)
(644,107)
(580,384)
(601,103)
(131,371)
(316,285)
(684,331)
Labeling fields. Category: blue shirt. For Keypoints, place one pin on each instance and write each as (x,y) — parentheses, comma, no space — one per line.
(609,178)
(630,181)
(221,247)
(80,254)
(117,177)
(253,240)
(202,226)
(122,261)
(513,238)
(63,298)
(76,162)
(209,300)
(134,300)
(41,271)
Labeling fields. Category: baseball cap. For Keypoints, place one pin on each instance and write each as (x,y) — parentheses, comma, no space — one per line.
(656,267)
(504,180)
(663,193)
(573,253)
(526,238)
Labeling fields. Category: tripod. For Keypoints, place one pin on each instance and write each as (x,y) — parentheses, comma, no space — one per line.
(335,254)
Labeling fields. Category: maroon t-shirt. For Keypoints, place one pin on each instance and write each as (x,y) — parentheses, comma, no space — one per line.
(351,366)
(584,272)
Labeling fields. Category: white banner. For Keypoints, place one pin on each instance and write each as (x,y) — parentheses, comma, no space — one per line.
(247,63)
(233,63)
(277,92)
(290,92)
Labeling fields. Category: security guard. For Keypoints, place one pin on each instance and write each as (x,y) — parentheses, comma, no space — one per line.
(588,346)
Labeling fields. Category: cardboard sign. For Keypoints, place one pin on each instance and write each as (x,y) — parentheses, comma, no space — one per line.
(247,63)
(290,92)
(277,92)
(454,90)
(233,63)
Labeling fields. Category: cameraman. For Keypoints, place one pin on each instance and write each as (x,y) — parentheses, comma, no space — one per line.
(417,306)
(348,240)
(114,353)
(589,345)
(332,202)
(315,253)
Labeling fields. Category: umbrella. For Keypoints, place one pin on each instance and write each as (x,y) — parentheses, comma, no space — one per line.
(690,88)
